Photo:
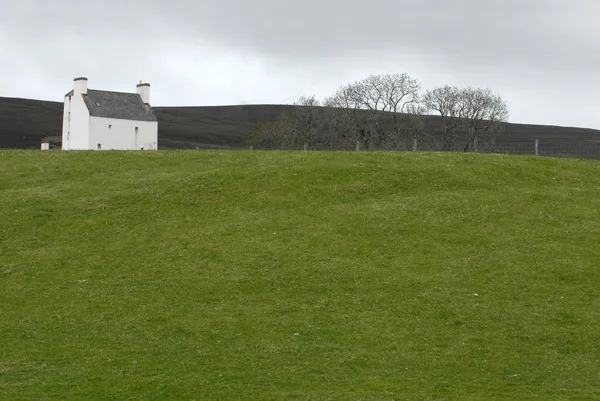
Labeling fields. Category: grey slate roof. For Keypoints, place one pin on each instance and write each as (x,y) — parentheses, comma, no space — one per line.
(123,106)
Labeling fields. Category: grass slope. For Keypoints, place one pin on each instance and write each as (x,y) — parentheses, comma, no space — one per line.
(24,123)
(276,275)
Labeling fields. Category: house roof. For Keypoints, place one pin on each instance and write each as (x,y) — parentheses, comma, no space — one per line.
(122,106)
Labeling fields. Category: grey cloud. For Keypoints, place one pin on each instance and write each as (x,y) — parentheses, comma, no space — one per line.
(520,48)
(473,29)
(325,28)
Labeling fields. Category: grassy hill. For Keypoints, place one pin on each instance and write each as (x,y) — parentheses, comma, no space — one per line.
(24,123)
(281,275)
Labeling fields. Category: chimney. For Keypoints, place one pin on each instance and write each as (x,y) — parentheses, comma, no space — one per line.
(143,89)
(81,85)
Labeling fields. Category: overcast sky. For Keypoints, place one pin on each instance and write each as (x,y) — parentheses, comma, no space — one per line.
(541,56)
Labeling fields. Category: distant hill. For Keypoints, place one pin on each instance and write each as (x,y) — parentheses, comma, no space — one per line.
(24,123)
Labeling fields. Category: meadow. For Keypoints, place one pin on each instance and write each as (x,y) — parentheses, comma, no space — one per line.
(205,275)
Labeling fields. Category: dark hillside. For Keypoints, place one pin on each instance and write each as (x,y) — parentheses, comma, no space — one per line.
(24,123)
(210,127)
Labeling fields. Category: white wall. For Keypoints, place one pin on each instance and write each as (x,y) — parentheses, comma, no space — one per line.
(76,134)
(66,131)
(121,134)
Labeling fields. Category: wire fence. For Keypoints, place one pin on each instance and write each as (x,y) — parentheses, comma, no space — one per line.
(583,150)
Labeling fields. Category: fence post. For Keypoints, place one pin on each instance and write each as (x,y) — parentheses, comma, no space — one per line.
(475,142)
(358,146)
(415,144)
(537,147)
(251,147)
(305,146)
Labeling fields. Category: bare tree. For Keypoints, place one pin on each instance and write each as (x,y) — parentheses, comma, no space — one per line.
(408,129)
(498,115)
(337,126)
(386,112)
(400,92)
(447,101)
(268,135)
(348,117)
(303,122)
(483,114)
(378,107)
(402,101)
(477,111)
(369,93)
(369,96)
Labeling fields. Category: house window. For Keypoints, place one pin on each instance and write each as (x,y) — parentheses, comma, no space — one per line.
(99,146)
(136,130)
(109,126)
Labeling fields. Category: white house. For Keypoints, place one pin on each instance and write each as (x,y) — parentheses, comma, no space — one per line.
(101,120)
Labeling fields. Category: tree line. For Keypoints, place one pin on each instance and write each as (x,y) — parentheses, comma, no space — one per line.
(386,112)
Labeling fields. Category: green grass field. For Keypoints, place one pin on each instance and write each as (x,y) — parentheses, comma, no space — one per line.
(275,275)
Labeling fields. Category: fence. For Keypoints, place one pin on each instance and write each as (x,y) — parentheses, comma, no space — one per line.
(583,150)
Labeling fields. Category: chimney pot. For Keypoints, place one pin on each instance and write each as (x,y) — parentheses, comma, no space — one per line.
(143,89)
(81,85)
